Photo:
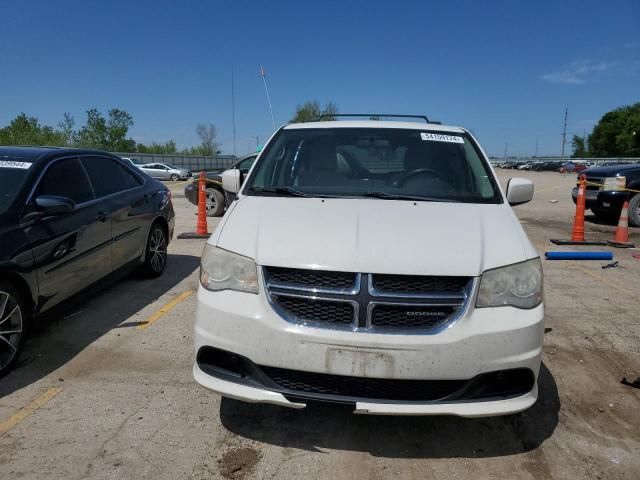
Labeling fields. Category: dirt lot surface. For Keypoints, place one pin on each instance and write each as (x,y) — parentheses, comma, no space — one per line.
(96,395)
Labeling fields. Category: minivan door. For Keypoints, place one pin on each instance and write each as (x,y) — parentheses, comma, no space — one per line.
(71,251)
(130,209)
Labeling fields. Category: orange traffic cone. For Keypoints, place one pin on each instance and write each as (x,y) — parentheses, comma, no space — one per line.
(577,234)
(201,225)
(621,238)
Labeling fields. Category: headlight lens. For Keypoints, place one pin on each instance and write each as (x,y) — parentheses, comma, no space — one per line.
(223,270)
(518,285)
(615,183)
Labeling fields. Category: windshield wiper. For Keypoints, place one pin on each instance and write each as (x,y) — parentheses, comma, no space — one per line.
(394,196)
(286,191)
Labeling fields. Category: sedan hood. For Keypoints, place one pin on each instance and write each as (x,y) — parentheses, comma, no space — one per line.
(374,236)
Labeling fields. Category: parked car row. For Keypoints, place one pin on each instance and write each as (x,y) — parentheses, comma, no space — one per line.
(69,218)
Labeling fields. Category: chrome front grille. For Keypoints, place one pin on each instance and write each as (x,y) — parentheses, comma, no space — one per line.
(373,303)
(593,183)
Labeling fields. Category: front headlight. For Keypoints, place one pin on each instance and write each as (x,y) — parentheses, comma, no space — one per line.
(615,183)
(223,270)
(518,285)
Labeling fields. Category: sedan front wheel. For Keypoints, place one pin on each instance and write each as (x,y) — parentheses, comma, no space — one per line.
(13,323)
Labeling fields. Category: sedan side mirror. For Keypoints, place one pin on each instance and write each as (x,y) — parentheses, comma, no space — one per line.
(519,191)
(231,180)
(54,205)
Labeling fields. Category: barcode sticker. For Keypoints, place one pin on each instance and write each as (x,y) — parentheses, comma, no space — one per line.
(14,164)
(438,137)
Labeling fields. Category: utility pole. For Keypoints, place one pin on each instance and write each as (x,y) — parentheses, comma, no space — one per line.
(506,145)
(536,145)
(233,110)
(564,131)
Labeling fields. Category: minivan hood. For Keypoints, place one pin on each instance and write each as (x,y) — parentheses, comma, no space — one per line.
(373,235)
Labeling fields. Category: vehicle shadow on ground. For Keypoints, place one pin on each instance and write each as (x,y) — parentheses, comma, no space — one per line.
(61,335)
(610,221)
(334,427)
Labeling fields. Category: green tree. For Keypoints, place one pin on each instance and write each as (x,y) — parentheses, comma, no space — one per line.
(617,134)
(208,138)
(94,133)
(311,112)
(155,147)
(578,147)
(66,129)
(118,126)
(25,130)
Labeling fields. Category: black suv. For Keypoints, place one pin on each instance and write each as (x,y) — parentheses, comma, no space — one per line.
(604,191)
(217,198)
(69,218)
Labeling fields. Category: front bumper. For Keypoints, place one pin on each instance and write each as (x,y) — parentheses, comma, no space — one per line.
(483,340)
(604,201)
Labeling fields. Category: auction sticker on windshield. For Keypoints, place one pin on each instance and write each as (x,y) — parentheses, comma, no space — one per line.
(438,137)
(14,164)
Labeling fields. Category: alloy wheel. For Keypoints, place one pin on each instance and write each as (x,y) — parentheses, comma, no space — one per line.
(211,203)
(158,250)
(11,327)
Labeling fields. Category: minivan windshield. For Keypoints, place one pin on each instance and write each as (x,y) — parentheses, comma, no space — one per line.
(383,163)
(11,181)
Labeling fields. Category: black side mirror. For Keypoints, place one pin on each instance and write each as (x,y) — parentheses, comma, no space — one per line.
(54,205)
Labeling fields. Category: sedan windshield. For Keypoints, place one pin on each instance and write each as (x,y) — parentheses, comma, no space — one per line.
(386,164)
(11,180)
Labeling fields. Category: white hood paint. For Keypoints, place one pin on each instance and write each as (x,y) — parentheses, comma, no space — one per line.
(374,236)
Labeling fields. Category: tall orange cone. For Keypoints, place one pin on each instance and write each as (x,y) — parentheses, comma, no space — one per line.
(577,234)
(201,226)
(621,238)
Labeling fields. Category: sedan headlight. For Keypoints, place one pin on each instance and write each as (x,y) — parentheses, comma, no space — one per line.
(518,285)
(615,183)
(223,270)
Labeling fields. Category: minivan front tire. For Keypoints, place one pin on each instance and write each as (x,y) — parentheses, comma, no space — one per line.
(13,326)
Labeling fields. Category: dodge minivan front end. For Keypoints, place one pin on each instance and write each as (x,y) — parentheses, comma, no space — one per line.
(341,282)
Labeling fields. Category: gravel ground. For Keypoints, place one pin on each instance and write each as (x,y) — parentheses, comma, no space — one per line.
(110,400)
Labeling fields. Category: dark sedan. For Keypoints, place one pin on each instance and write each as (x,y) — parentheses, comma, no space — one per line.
(69,218)
(217,198)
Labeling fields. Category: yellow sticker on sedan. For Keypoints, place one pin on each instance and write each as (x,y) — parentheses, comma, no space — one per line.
(14,164)
(438,137)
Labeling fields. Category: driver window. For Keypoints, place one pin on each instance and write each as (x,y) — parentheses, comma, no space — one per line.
(67,178)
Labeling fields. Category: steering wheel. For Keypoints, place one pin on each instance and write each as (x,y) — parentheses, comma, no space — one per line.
(420,171)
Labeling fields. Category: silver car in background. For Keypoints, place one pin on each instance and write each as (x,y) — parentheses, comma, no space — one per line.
(165,171)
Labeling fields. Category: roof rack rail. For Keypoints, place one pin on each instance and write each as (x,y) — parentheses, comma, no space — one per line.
(374,116)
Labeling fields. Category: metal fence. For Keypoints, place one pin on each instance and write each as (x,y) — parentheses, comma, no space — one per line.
(193,163)
(595,161)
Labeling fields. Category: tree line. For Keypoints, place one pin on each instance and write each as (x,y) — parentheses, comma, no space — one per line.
(617,134)
(109,133)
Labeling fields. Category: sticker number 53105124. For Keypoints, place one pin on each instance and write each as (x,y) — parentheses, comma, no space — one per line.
(14,164)
(438,137)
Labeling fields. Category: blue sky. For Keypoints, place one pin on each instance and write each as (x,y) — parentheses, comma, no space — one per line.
(504,69)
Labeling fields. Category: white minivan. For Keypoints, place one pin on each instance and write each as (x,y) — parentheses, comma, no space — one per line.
(376,264)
